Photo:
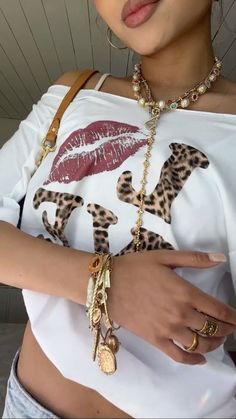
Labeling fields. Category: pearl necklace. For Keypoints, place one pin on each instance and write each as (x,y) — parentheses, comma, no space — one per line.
(155,109)
(192,95)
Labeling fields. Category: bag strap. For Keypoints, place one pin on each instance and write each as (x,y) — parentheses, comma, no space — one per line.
(49,141)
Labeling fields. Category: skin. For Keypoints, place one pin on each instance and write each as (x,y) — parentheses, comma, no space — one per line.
(170,44)
(176,53)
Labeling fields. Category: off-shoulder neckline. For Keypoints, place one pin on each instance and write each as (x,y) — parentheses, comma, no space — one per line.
(130,100)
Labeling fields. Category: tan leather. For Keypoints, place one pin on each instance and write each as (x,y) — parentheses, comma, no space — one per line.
(51,136)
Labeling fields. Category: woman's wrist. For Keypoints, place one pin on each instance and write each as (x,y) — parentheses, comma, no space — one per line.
(80,276)
(116,293)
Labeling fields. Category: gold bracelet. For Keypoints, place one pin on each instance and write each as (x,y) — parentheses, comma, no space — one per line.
(100,270)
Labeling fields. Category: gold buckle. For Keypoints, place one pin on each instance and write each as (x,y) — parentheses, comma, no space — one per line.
(46,149)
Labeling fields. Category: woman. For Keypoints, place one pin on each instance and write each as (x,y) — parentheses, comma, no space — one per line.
(173,317)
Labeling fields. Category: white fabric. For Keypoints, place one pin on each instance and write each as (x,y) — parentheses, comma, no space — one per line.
(147,383)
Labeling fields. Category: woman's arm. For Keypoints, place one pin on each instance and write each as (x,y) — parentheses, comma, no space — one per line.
(38,265)
(146,296)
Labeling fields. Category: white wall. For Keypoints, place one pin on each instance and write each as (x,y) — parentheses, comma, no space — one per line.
(7,129)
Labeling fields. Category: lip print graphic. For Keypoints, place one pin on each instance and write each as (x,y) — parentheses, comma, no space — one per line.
(77,156)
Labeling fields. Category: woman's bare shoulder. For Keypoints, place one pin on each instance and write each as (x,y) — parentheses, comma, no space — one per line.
(223,98)
(68,78)
(229,91)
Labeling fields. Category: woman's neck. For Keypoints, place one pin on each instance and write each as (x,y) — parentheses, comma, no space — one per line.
(181,65)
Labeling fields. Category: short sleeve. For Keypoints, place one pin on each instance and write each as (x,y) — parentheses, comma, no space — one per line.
(18,155)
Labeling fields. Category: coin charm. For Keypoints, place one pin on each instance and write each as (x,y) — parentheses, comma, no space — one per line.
(106,359)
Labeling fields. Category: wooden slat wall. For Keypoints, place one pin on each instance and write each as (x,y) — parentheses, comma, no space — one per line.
(225,41)
(41,39)
(7,128)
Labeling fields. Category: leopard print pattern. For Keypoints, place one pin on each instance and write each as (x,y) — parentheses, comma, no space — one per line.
(148,241)
(175,172)
(102,219)
(65,204)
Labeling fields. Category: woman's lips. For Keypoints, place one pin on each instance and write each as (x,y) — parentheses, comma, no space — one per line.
(80,156)
(137,13)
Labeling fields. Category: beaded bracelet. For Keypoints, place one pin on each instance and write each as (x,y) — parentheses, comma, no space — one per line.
(96,309)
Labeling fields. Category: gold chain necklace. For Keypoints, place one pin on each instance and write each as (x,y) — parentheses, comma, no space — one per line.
(155,109)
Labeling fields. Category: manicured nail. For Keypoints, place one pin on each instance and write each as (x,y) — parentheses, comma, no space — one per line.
(217,257)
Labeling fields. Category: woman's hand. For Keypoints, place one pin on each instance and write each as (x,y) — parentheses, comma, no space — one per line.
(148,298)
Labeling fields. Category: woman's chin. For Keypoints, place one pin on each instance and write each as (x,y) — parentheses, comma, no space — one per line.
(147,46)
(145,50)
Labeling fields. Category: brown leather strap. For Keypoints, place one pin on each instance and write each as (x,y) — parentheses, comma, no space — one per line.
(51,135)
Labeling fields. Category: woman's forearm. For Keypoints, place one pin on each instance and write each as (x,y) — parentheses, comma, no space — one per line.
(38,265)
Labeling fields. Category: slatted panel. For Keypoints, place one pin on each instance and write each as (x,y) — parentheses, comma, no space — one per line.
(37,21)
(101,50)
(217,21)
(7,127)
(3,113)
(79,20)
(225,40)
(14,78)
(41,39)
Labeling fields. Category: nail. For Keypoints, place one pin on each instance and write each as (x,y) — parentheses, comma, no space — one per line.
(217,257)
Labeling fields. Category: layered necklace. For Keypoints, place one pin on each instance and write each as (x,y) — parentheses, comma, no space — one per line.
(155,109)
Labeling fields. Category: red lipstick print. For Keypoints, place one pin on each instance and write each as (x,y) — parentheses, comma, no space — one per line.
(77,156)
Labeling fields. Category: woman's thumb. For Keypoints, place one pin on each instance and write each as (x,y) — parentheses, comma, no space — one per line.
(175,258)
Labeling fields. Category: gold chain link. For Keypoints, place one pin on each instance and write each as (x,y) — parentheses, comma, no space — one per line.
(155,115)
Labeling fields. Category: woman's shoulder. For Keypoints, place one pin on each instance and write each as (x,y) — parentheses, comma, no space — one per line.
(227,96)
(68,78)
(222,99)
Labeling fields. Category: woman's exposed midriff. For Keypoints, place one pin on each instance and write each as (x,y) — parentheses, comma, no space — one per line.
(65,398)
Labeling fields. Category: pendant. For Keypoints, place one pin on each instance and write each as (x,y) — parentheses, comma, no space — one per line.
(96,343)
(106,359)
(96,316)
(107,282)
(151,123)
(90,291)
(113,343)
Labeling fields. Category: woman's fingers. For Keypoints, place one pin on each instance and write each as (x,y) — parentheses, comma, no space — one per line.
(189,295)
(179,355)
(197,320)
(201,301)
(205,344)
(166,303)
(176,258)
(214,308)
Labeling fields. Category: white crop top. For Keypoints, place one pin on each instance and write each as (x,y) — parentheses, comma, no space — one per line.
(84,195)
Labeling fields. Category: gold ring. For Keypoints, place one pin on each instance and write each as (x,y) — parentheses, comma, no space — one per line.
(209,329)
(194,343)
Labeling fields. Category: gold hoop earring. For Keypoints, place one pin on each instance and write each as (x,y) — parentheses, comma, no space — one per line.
(108,33)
